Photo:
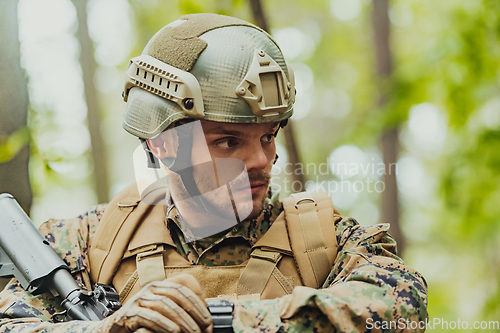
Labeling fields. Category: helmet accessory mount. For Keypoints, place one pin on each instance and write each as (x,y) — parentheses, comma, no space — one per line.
(265,86)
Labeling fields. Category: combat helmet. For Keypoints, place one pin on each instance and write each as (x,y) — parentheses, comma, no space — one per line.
(211,67)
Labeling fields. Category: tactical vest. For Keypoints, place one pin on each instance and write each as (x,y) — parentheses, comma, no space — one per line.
(132,247)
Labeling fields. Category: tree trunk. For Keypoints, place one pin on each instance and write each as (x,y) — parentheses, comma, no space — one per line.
(292,150)
(14,176)
(389,140)
(88,64)
(258,14)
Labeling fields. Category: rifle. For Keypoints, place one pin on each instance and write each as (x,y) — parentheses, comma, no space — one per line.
(25,254)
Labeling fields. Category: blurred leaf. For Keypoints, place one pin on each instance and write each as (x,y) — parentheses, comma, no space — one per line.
(12,144)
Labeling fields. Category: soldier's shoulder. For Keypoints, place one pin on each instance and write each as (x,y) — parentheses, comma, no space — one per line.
(135,193)
(87,219)
(70,237)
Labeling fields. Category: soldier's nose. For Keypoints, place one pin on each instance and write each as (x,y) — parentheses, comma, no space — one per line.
(256,158)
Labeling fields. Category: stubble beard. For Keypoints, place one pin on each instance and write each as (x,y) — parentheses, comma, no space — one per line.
(258,205)
(258,199)
(228,209)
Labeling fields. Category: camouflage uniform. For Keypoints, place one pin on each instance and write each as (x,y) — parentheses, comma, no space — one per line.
(367,281)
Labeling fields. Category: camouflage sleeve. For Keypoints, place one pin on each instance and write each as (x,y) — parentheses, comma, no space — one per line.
(369,289)
(22,312)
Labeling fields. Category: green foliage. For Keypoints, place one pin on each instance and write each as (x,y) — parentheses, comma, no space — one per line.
(12,144)
(445,53)
(448,56)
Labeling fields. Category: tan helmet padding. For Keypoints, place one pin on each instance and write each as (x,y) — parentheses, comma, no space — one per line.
(179,45)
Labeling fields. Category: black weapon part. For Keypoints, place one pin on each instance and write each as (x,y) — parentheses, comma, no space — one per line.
(25,254)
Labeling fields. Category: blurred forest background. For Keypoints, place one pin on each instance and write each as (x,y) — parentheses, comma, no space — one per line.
(415,82)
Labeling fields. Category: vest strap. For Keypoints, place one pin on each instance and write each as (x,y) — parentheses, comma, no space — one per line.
(283,281)
(129,285)
(310,215)
(313,235)
(256,274)
(150,266)
(298,232)
(102,244)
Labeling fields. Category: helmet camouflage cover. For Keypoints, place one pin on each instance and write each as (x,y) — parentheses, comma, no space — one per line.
(207,66)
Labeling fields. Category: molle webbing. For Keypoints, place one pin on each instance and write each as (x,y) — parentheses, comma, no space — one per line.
(258,271)
(180,45)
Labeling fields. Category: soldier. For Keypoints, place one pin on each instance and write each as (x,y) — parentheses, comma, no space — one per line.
(206,98)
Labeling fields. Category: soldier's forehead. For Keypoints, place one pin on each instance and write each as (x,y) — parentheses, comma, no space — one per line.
(213,127)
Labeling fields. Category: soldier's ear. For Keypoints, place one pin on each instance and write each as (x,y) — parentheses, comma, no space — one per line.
(161,146)
(155,148)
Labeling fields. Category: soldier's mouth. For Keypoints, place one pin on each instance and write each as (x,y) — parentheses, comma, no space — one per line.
(257,187)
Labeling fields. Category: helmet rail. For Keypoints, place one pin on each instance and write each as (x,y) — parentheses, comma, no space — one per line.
(165,81)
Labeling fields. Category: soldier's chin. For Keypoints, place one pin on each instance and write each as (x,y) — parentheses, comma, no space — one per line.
(228,211)
(257,208)
(244,207)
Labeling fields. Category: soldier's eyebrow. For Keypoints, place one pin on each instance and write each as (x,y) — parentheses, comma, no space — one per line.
(223,131)
(219,130)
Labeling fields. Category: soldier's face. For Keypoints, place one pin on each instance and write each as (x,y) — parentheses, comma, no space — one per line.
(220,154)
(253,144)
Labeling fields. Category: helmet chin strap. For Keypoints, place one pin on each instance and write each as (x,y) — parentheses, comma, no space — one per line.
(282,124)
(152,160)
(181,164)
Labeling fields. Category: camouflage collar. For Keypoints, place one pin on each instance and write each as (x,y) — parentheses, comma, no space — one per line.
(251,230)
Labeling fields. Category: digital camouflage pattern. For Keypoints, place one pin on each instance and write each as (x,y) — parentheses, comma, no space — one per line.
(367,280)
(23,312)
(230,248)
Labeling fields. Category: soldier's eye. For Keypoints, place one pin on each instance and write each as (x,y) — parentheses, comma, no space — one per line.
(268,138)
(226,143)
